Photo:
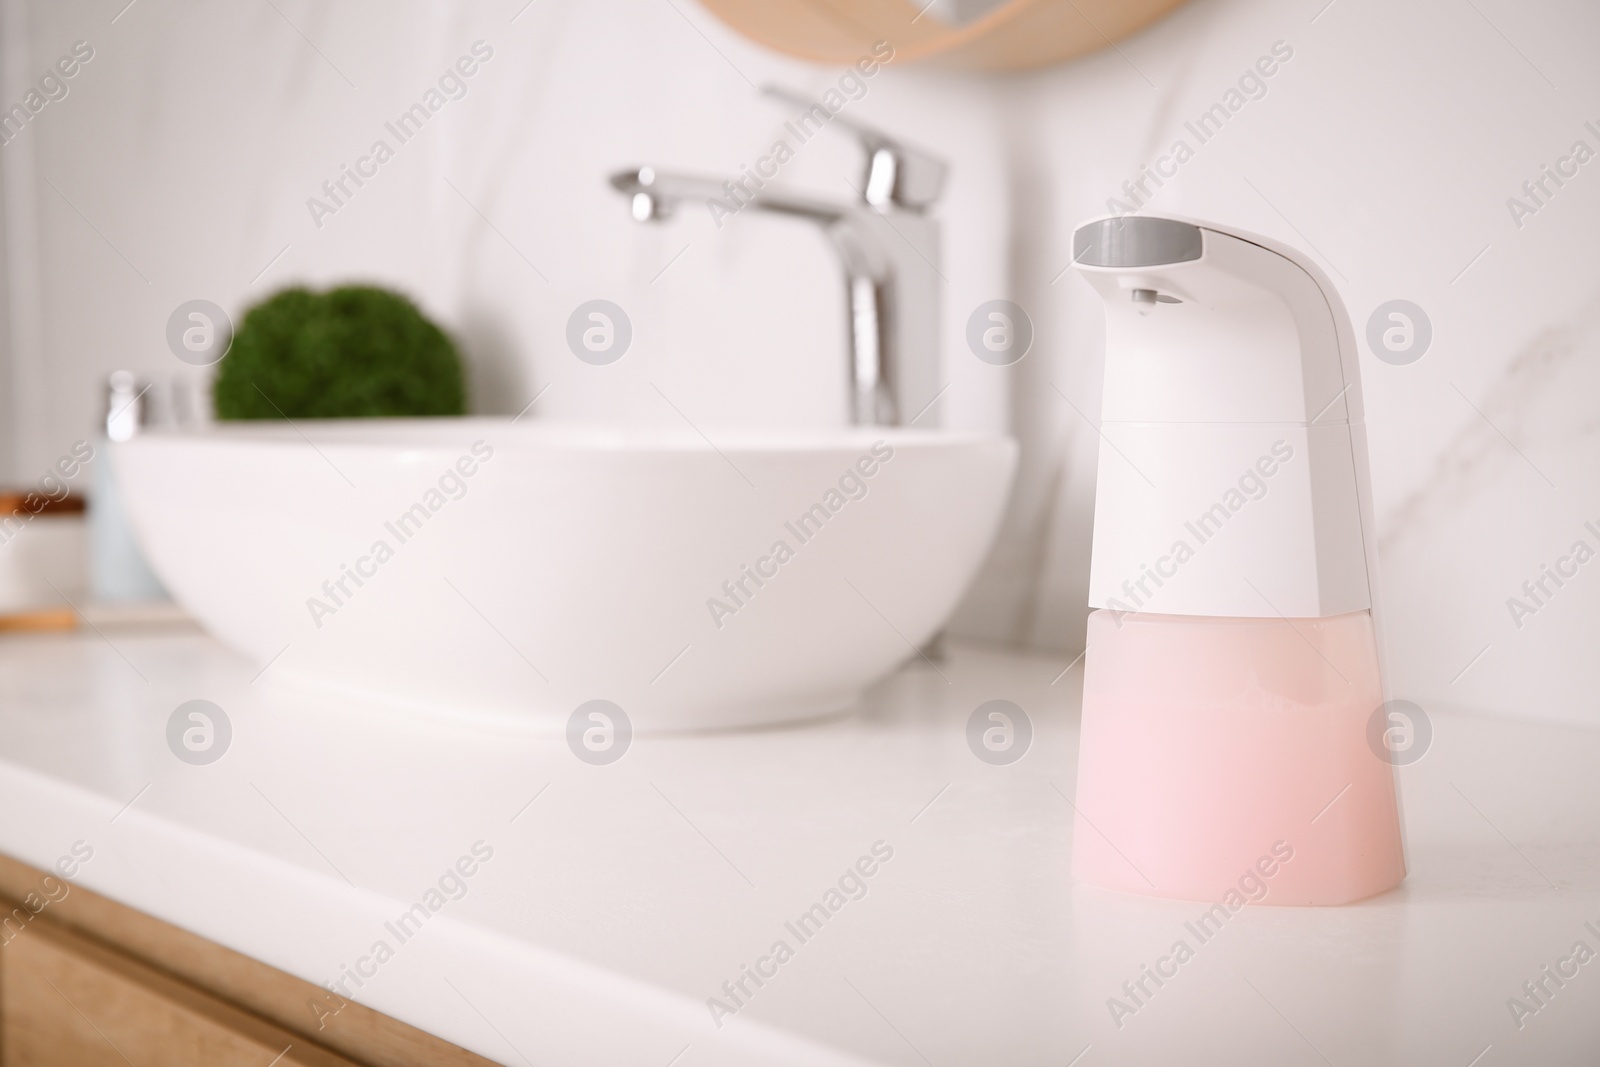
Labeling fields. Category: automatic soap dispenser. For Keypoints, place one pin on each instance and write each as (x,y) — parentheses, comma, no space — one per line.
(1232,664)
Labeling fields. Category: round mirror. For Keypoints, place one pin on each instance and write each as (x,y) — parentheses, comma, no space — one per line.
(967,34)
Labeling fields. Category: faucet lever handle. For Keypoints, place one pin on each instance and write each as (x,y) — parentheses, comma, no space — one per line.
(897,173)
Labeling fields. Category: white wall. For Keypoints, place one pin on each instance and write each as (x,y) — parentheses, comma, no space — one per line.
(1386,146)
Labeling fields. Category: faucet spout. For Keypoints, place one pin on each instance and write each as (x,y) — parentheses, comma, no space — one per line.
(666,191)
(856,234)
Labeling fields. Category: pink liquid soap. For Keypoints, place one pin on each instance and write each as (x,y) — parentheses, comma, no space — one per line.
(1218,752)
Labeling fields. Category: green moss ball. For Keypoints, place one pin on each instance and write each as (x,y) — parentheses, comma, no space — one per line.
(352,352)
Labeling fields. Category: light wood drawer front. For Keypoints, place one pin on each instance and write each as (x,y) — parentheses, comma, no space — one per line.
(66,1001)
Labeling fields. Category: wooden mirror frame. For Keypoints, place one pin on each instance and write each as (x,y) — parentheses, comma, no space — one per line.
(1016,35)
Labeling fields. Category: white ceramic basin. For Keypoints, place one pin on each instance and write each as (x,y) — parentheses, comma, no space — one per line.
(516,571)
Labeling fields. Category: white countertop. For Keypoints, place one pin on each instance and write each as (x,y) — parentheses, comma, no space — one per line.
(625,895)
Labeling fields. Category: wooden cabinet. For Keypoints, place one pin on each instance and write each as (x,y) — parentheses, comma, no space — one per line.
(90,983)
(67,1002)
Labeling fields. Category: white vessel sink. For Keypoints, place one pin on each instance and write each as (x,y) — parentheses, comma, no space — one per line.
(515,571)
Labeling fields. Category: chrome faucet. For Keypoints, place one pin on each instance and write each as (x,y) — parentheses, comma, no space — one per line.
(885,241)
